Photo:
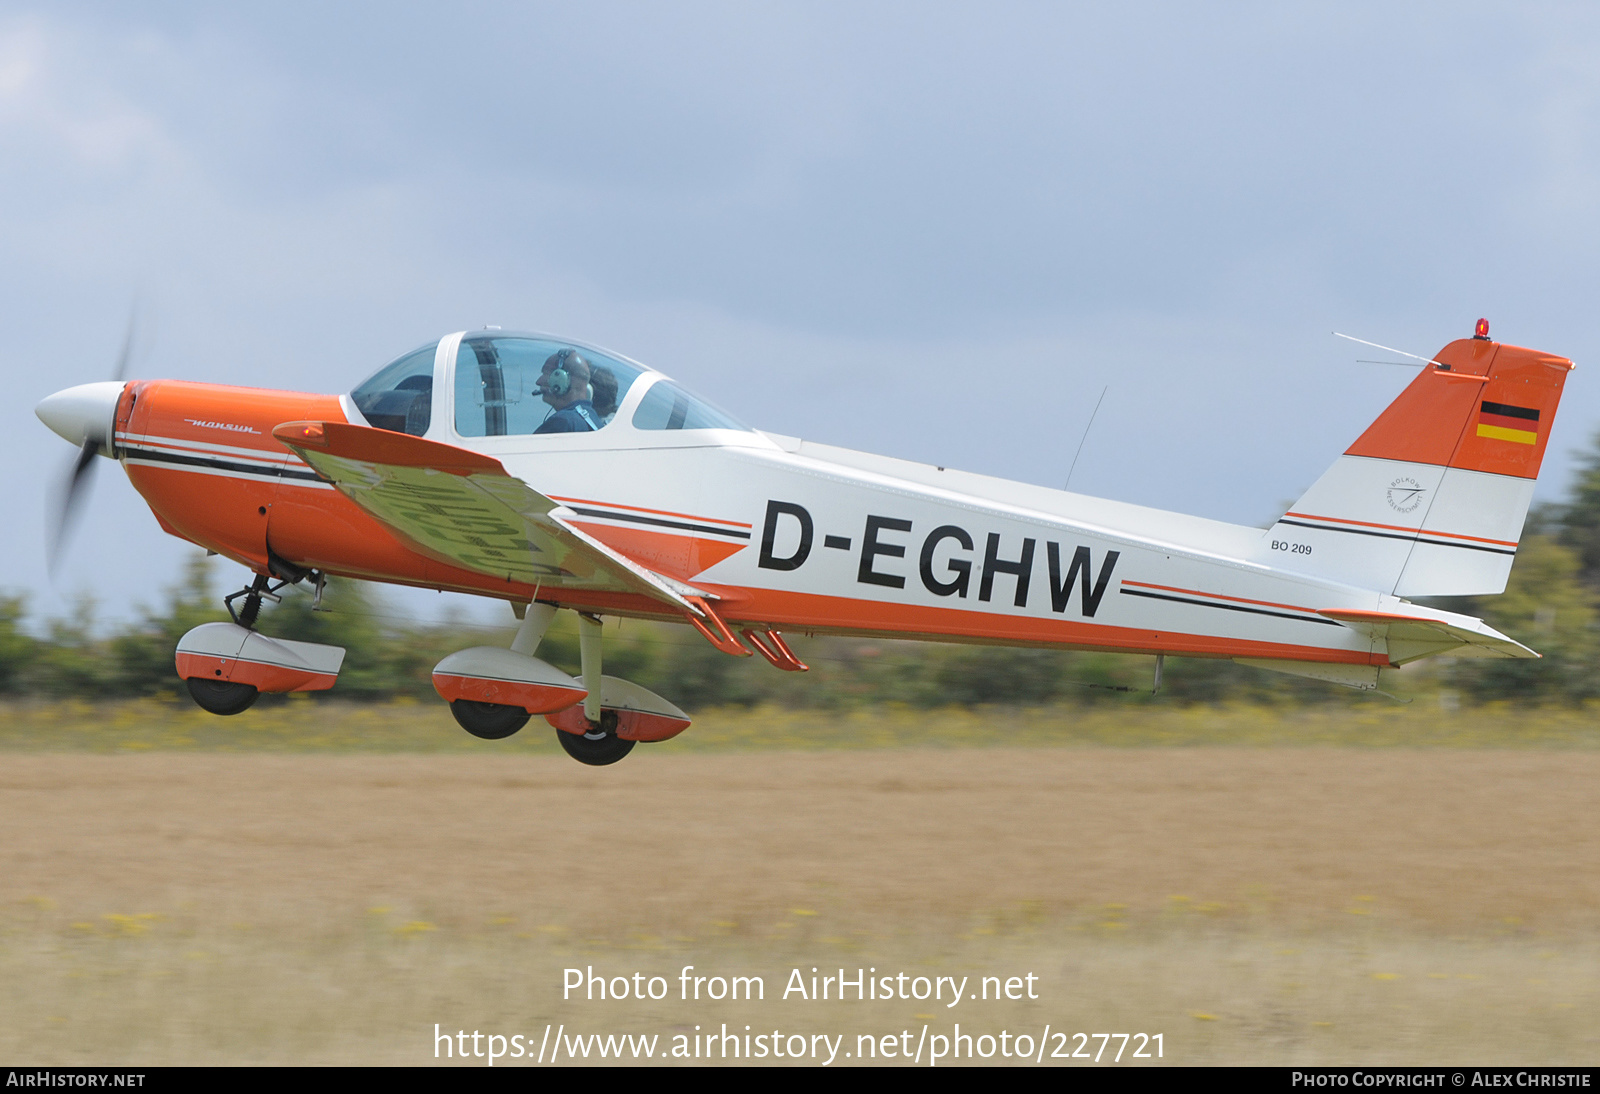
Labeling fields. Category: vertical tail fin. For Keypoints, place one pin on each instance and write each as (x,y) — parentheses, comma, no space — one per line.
(1431,499)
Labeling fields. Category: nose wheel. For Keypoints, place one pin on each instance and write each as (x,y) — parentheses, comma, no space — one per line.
(221,696)
(600,745)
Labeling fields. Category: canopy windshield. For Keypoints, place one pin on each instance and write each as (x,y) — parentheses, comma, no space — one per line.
(520,384)
(399,396)
(514,384)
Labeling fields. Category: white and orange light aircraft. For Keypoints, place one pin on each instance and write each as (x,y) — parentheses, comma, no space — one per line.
(555,475)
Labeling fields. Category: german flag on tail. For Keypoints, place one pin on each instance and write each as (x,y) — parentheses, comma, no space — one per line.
(1503,422)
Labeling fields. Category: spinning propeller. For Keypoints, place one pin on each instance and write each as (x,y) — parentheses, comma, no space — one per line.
(86,416)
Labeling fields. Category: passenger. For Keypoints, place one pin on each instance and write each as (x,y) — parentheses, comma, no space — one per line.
(564,384)
(603,382)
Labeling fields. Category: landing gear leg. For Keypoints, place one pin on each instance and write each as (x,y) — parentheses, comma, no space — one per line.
(530,632)
(599,745)
(253,595)
(589,651)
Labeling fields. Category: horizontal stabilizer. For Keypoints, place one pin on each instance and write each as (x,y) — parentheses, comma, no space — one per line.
(1410,637)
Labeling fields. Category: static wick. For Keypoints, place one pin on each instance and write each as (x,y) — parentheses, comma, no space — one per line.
(1086,429)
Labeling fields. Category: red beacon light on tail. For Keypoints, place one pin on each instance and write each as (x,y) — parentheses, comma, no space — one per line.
(1481,331)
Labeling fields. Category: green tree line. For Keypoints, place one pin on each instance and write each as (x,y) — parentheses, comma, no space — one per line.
(1549,604)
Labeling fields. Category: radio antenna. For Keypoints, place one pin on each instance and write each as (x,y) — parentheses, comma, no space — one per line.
(1085,437)
(1390,349)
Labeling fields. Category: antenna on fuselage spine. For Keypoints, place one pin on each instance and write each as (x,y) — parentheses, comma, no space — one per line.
(1085,437)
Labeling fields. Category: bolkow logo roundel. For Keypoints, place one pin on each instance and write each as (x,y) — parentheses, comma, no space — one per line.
(1405,495)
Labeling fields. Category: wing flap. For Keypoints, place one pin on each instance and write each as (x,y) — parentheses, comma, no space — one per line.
(463,508)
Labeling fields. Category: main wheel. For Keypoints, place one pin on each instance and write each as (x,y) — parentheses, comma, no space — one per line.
(598,747)
(221,696)
(491,721)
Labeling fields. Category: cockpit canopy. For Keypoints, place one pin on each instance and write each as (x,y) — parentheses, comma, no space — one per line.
(507,384)
(399,397)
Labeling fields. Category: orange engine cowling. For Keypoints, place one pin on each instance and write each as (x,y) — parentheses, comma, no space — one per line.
(204,458)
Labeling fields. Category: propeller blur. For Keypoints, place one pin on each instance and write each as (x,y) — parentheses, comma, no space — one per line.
(82,415)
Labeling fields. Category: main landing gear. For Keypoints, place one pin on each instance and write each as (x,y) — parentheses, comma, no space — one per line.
(595,744)
(493,692)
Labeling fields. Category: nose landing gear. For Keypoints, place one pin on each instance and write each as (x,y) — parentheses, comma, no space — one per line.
(222,696)
(253,593)
(226,666)
(225,697)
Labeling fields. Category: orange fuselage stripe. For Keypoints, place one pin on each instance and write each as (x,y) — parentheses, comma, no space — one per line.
(788,610)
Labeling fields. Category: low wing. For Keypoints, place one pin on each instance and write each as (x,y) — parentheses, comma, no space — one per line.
(463,508)
(1412,636)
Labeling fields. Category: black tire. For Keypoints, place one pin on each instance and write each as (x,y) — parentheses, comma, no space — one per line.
(490,721)
(600,746)
(221,696)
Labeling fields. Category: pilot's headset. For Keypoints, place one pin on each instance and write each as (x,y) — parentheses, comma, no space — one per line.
(558,381)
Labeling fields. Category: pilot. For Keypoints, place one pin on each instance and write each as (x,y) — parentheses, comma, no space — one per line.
(564,385)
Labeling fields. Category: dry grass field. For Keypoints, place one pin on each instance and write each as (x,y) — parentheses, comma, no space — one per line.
(274,900)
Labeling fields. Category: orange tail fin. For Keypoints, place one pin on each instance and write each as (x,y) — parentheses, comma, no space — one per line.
(1431,499)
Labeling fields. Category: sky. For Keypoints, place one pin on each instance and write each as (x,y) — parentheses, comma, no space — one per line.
(934,231)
